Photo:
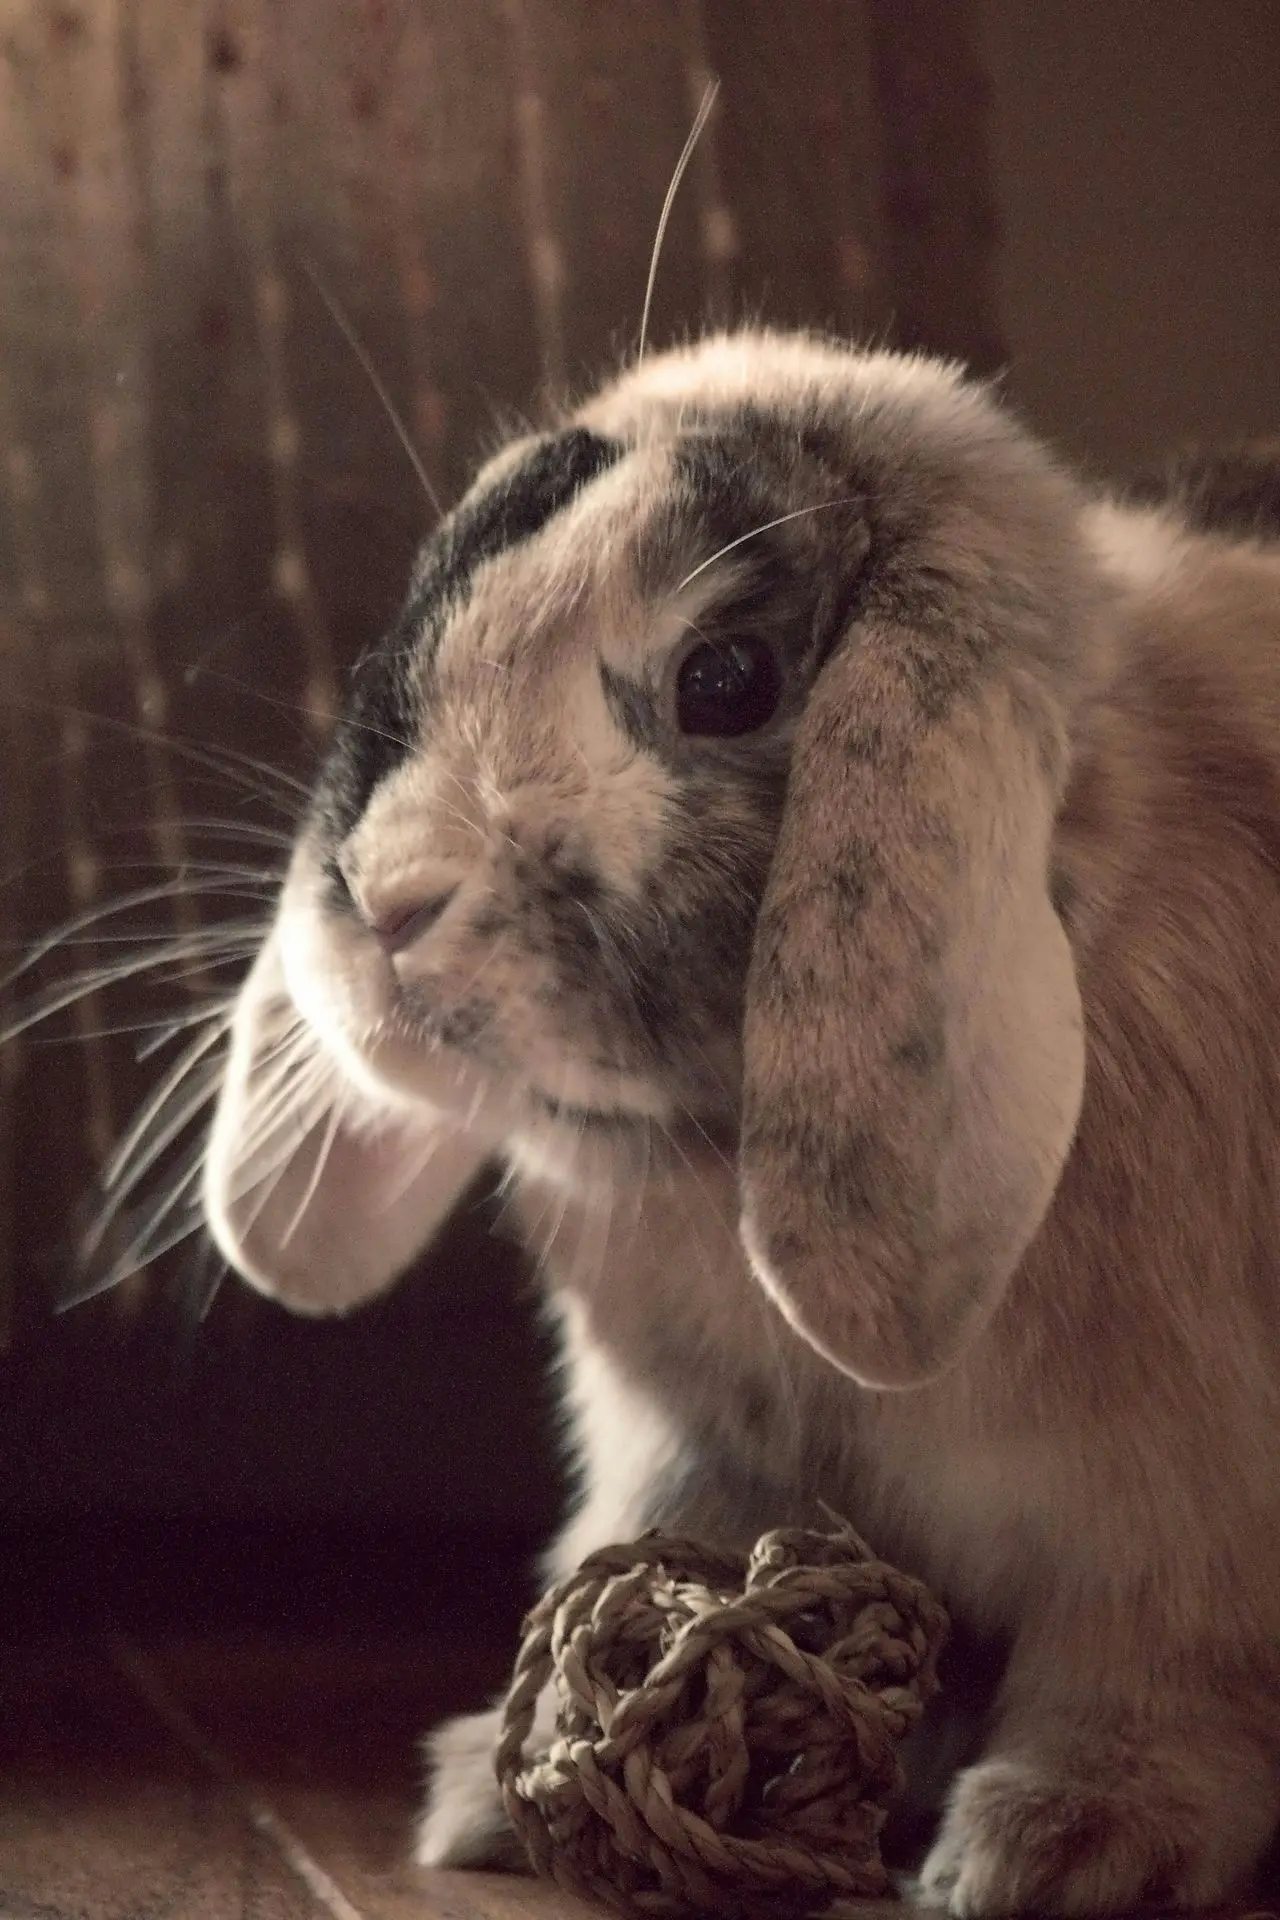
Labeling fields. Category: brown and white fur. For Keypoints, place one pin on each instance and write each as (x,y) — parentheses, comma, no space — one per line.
(890,1093)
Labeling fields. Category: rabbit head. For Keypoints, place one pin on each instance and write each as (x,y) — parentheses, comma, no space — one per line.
(705,789)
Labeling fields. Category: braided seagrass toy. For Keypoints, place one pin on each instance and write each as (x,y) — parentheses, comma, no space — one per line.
(727,1725)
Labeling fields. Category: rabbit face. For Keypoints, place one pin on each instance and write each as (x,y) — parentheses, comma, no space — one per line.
(556,877)
(705,786)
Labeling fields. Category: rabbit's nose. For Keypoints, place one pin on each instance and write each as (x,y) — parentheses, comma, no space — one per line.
(400,923)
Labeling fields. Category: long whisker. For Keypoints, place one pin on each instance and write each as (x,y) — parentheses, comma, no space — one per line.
(140,942)
(184,1097)
(312,1187)
(81,932)
(357,346)
(68,932)
(94,1279)
(415,1168)
(167,1030)
(184,1112)
(147,1243)
(686,154)
(289,706)
(798,513)
(717,1151)
(182,966)
(162,1031)
(227,762)
(251,831)
(268,1177)
(206,1273)
(297,1080)
(127,1147)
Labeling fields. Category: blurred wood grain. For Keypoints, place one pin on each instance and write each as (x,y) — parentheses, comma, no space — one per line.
(230,1777)
(205,514)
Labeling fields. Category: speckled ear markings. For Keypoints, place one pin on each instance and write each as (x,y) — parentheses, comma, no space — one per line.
(914,1053)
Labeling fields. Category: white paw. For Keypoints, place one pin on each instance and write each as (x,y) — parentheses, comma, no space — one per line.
(1023,1836)
(463,1824)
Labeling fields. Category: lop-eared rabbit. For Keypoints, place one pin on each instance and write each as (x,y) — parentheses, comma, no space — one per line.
(829,855)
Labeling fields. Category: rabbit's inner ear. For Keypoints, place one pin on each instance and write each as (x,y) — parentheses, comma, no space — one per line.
(914,1051)
(310,1199)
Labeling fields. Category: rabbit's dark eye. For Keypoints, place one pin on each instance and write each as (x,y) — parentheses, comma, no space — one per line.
(728,689)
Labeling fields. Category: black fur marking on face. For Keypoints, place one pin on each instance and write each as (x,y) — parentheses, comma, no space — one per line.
(635,709)
(506,514)
(1064,894)
(788,586)
(383,717)
(339,895)
(850,892)
(603,1119)
(579,883)
(560,904)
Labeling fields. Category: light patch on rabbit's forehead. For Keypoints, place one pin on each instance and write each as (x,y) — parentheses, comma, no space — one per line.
(516,725)
(523,654)
(537,604)
(542,617)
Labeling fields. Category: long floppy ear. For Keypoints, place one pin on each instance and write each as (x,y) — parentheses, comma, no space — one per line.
(914,1050)
(314,1198)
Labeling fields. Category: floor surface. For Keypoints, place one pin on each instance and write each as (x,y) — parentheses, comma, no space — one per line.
(206,1740)
(212,1780)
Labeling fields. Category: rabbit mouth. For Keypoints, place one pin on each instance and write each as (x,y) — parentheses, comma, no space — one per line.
(493,1036)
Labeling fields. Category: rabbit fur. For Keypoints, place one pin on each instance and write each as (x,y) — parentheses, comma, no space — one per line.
(888,1092)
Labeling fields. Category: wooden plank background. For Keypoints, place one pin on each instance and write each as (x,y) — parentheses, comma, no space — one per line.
(204,513)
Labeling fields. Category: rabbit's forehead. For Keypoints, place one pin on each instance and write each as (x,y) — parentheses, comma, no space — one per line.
(508,720)
(598,549)
(544,605)
(613,580)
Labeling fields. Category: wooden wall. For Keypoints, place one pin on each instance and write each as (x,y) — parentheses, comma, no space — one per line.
(204,514)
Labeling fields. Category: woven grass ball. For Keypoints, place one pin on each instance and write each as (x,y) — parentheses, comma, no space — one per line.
(727,1726)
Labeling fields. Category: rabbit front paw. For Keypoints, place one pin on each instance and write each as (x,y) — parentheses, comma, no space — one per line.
(463,1823)
(1023,1835)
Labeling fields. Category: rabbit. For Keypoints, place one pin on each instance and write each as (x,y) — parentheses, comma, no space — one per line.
(827,853)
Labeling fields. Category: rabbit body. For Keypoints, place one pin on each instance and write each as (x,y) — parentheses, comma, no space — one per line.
(891,1091)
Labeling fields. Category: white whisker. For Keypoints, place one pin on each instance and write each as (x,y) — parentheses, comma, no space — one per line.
(165,1136)
(145,1246)
(161,1031)
(313,1183)
(798,513)
(284,1115)
(93,916)
(144,942)
(306,713)
(166,968)
(269,1176)
(168,1030)
(227,762)
(294,1076)
(686,154)
(249,830)
(417,1167)
(122,1159)
(361,353)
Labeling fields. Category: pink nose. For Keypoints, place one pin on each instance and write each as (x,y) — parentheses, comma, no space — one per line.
(400,925)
